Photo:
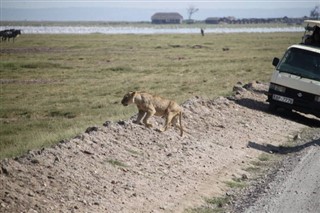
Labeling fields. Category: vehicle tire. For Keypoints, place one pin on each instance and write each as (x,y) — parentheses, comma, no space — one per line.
(272,107)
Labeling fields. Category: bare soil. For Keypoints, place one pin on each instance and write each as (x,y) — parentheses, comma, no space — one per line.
(125,167)
(291,185)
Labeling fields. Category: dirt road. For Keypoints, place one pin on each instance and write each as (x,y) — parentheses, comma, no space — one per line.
(300,191)
(124,167)
(295,185)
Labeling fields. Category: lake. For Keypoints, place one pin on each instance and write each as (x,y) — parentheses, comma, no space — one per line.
(145,30)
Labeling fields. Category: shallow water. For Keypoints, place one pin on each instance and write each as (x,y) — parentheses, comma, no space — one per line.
(145,30)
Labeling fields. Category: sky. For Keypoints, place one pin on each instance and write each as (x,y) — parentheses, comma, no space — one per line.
(142,10)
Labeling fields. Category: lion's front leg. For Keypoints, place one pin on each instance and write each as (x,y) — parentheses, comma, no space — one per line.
(140,116)
(150,113)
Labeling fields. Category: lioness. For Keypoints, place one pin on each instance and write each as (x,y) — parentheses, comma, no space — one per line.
(149,105)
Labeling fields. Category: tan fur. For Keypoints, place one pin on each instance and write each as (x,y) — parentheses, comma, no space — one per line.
(149,105)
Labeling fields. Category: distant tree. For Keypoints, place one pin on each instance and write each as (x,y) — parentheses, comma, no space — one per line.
(315,13)
(191,10)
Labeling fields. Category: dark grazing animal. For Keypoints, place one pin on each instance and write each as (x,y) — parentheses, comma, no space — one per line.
(6,35)
(3,34)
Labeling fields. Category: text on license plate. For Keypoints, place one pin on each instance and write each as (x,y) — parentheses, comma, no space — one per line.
(282,99)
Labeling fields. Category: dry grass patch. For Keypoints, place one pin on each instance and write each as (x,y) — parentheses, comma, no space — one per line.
(54,86)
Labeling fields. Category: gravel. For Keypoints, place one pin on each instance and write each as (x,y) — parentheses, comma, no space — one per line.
(125,167)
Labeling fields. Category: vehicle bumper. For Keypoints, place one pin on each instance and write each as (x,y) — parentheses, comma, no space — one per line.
(296,100)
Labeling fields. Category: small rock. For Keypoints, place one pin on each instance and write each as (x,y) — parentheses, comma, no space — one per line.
(56,159)
(229,193)
(107,123)
(87,152)
(239,83)
(121,123)
(244,177)
(4,170)
(92,129)
(80,137)
(248,86)
(297,137)
(134,195)
(63,141)
(35,161)
(30,194)
(238,89)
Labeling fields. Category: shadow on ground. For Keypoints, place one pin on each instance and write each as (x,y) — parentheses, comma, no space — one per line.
(282,149)
(286,114)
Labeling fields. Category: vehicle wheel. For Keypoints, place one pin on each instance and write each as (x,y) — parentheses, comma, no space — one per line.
(272,107)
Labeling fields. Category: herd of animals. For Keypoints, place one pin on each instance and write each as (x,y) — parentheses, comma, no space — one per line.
(6,35)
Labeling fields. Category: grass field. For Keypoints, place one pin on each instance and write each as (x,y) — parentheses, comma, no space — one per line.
(54,86)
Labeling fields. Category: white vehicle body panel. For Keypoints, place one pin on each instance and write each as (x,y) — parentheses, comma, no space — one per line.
(296,82)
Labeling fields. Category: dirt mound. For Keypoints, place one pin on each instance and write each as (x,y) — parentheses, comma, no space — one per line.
(124,167)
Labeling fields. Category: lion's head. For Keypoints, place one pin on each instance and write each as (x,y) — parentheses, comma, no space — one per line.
(128,98)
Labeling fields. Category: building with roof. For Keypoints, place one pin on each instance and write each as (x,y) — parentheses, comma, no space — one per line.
(166,18)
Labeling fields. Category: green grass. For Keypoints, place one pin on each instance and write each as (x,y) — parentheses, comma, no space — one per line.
(264,157)
(54,86)
(116,163)
(235,183)
(213,205)
(264,161)
(218,201)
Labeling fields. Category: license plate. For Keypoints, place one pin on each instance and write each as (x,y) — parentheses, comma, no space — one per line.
(282,99)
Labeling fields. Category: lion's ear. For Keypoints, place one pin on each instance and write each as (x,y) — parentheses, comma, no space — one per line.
(132,93)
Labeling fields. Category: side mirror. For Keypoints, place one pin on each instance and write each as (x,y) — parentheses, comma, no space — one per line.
(275,62)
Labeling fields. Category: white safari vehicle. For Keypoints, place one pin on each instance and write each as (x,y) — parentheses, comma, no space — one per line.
(295,83)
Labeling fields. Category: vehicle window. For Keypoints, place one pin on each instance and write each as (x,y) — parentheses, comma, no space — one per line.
(300,62)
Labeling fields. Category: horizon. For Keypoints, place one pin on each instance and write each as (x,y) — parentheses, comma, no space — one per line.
(138,15)
(142,10)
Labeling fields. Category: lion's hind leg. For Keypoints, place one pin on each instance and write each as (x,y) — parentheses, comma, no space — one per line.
(176,124)
(175,121)
(169,118)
